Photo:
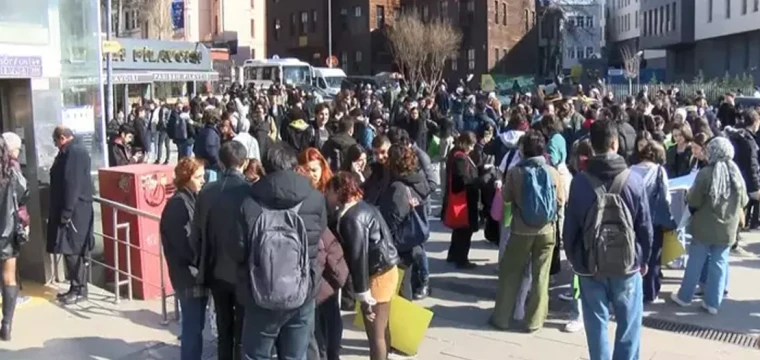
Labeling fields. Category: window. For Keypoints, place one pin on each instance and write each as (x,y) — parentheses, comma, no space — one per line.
(571,52)
(496,12)
(471,59)
(253,29)
(589,52)
(455,62)
(471,5)
(344,60)
(744,7)
(253,53)
(709,10)
(443,8)
(379,16)
(579,53)
(667,17)
(358,56)
(728,9)
(496,56)
(673,15)
(589,21)
(314,21)
(304,22)
(253,5)
(644,24)
(425,13)
(276,29)
(293,23)
(636,20)
(344,19)
(504,14)
(756,5)
(527,20)
(747,50)
(358,11)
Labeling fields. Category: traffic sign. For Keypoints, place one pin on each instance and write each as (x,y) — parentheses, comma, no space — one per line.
(332,61)
(111,47)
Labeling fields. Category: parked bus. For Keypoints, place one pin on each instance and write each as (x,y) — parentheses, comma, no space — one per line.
(282,71)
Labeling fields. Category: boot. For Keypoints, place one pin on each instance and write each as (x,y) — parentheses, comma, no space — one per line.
(62,295)
(422,291)
(10,294)
(75,296)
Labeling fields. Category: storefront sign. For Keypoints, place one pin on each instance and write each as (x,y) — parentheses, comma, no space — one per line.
(184,76)
(20,66)
(156,55)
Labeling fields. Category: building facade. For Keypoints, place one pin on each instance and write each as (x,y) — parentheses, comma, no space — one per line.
(626,29)
(50,76)
(727,39)
(583,31)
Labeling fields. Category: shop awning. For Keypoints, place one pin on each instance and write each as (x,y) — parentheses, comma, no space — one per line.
(147,77)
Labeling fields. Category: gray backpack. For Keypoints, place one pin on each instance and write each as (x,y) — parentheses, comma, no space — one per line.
(609,239)
(278,260)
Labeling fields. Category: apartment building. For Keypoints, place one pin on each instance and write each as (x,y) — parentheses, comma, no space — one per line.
(494,33)
(583,31)
(239,25)
(727,38)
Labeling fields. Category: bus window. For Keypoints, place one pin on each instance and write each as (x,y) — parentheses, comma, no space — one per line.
(296,75)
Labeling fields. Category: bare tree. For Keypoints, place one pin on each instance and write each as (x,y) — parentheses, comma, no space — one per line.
(631,63)
(421,48)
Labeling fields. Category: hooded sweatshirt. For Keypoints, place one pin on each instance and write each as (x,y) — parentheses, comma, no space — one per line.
(510,139)
(582,197)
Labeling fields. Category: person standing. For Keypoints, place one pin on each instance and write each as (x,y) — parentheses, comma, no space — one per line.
(16,225)
(462,176)
(70,220)
(609,261)
(163,142)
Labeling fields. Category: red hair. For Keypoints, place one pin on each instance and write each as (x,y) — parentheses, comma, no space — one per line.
(312,154)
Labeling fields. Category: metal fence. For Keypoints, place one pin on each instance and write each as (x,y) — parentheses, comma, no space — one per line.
(713,91)
(123,277)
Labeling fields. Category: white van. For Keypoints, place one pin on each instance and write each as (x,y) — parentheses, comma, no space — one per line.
(329,79)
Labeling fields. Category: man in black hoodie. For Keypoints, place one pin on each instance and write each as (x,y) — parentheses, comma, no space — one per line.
(282,188)
(746,158)
(337,145)
(215,225)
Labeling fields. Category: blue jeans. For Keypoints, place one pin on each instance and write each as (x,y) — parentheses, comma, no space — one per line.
(262,327)
(193,312)
(625,295)
(184,149)
(716,257)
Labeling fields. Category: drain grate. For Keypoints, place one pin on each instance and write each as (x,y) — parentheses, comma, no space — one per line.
(728,337)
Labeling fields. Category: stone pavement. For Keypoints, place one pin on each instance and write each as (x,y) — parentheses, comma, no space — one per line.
(461,300)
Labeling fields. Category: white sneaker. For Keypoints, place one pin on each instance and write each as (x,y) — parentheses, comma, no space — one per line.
(566,296)
(574,326)
(711,310)
(674,297)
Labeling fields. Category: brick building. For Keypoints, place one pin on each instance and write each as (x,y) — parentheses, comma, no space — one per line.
(498,36)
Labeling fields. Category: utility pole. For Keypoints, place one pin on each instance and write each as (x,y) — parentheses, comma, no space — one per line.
(109,66)
(329,33)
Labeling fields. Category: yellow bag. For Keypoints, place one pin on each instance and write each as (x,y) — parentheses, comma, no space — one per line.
(408,322)
(672,248)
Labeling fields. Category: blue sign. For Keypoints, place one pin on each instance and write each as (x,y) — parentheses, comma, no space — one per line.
(20,66)
(178,14)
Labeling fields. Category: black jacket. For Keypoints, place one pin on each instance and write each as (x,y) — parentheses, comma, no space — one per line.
(279,190)
(119,153)
(217,208)
(367,243)
(207,145)
(745,157)
(728,115)
(678,164)
(71,192)
(142,138)
(626,141)
(180,251)
(462,175)
(394,204)
(427,167)
(375,184)
(335,149)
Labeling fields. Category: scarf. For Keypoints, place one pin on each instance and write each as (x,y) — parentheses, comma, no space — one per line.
(726,176)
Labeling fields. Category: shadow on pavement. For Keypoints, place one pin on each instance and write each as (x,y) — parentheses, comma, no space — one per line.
(87,348)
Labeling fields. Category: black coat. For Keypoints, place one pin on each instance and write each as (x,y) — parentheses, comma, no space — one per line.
(462,175)
(395,206)
(746,158)
(279,190)
(70,220)
(626,141)
(180,250)
(215,223)
(335,149)
(678,164)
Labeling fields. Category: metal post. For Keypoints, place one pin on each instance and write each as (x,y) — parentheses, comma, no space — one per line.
(116,244)
(329,32)
(109,66)
(129,261)
(164,314)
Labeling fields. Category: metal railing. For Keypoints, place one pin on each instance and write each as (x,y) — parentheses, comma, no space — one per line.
(128,275)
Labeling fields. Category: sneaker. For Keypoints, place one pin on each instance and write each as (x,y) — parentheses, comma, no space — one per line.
(574,326)
(674,297)
(711,310)
(741,252)
(566,296)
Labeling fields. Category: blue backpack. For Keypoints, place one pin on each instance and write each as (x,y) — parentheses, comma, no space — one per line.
(539,198)
(415,229)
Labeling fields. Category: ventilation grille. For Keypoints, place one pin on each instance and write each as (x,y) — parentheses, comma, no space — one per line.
(727,337)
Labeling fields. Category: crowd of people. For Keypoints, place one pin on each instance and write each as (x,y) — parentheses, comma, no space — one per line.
(288,210)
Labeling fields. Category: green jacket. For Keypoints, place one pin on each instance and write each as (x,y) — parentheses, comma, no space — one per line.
(713,224)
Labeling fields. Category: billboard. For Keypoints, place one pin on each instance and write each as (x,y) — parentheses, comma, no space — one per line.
(178,14)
